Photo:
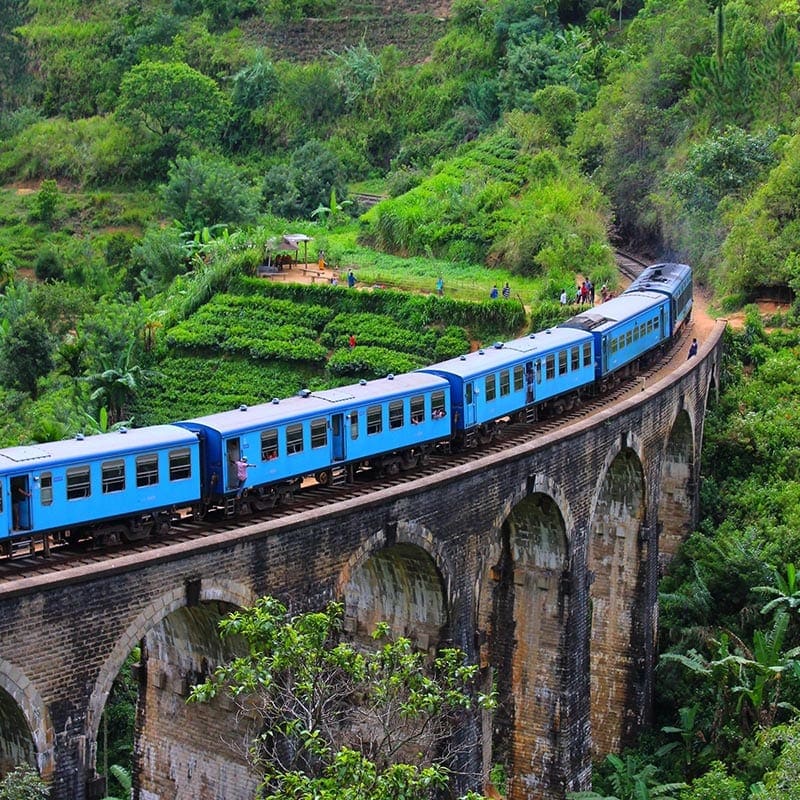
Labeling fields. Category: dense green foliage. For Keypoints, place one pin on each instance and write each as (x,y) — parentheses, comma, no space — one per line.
(334,718)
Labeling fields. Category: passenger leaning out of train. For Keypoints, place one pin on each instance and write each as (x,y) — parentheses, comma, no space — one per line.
(241,473)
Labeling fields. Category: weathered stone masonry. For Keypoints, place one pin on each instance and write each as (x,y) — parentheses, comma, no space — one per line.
(541,563)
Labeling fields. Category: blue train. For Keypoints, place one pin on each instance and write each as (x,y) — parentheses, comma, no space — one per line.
(127,485)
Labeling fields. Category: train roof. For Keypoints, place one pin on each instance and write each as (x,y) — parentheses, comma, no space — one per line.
(612,312)
(311,403)
(505,354)
(102,445)
(660,278)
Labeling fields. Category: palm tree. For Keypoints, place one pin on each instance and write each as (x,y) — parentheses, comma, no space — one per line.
(117,384)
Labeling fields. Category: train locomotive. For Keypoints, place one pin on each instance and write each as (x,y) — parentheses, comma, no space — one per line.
(130,484)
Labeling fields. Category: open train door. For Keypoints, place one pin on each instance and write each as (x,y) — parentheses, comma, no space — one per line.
(20,503)
(232,455)
(338,437)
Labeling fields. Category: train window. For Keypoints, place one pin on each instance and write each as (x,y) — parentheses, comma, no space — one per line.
(629,338)
(319,433)
(180,464)
(294,438)
(587,354)
(269,444)
(354,424)
(655,324)
(550,367)
(650,326)
(519,378)
(418,409)
(635,333)
(491,388)
(437,405)
(46,488)
(113,476)
(562,362)
(538,372)
(374,419)
(469,394)
(613,345)
(396,414)
(575,358)
(79,483)
(505,383)
(146,470)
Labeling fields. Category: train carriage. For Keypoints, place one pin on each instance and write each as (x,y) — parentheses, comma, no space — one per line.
(388,423)
(625,329)
(673,280)
(516,377)
(116,485)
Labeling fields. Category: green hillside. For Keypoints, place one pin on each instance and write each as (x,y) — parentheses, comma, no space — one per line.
(153,155)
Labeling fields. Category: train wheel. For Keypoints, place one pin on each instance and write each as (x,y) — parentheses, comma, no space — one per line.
(323,477)
(393,468)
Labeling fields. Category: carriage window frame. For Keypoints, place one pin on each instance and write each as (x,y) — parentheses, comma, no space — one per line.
(146,470)
(629,338)
(490,387)
(587,354)
(612,345)
(374,420)
(319,433)
(396,414)
(295,439)
(112,476)
(519,378)
(438,408)
(79,482)
(417,406)
(562,362)
(180,464)
(649,326)
(575,358)
(46,488)
(550,366)
(505,382)
(354,425)
(269,444)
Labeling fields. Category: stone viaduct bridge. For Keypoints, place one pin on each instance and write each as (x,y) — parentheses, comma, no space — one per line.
(541,563)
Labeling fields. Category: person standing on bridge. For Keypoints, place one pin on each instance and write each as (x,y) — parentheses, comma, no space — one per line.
(692,349)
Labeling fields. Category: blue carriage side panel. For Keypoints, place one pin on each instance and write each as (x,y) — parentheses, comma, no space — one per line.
(308,433)
(673,280)
(100,478)
(498,381)
(624,328)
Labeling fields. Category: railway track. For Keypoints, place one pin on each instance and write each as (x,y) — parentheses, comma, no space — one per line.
(311,497)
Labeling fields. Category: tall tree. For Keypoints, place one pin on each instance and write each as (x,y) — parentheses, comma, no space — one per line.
(173,100)
(336,722)
(26,353)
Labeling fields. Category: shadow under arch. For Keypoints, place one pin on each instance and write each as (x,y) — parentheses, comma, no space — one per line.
(23,713)
(402,580)
(617,554)
(195,605)
(524,611)
(677,500)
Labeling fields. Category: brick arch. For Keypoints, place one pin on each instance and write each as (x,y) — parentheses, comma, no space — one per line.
(616,558)
(231,592)
(677,486)
(522,615)
(24,702)
(401,580)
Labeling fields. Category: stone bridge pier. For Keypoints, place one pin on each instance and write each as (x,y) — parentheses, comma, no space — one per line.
(541,563)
